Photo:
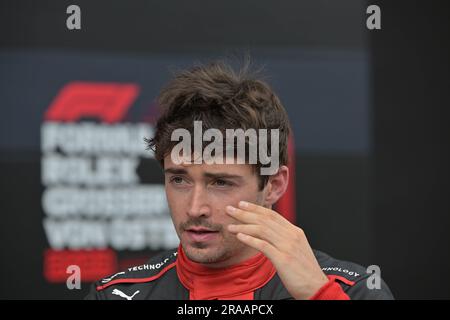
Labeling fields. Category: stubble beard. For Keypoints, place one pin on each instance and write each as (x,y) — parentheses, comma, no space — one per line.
(204,254)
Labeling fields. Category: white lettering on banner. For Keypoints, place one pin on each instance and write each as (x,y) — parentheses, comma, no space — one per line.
(86,138)
(76,234)
(93,197)
(99,171)
(144,200)
(154,234)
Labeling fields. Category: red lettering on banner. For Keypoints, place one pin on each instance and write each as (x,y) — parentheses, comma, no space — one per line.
(94,264)
(108,102)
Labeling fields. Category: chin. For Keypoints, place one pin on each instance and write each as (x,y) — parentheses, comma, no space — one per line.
(200,255)
(203,255)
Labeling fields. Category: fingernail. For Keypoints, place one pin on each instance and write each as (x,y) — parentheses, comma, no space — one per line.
(231,209)
(243,204)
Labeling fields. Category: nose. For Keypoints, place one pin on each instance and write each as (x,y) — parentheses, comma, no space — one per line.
(198,204)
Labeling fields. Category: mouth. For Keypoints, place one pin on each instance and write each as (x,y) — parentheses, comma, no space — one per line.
(200,234)
(200,229)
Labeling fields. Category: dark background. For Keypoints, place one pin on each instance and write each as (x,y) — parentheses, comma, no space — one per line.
(387,204)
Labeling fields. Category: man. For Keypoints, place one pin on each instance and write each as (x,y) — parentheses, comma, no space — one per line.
(232,244)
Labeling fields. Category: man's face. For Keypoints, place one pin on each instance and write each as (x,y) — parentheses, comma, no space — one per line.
(197,195)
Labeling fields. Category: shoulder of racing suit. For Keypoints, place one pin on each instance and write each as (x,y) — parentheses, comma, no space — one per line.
(354,279)
(157,279)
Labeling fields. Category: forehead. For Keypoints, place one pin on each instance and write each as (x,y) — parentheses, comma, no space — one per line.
(232,168)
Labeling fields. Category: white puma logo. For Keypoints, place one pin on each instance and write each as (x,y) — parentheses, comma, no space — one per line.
(123,295)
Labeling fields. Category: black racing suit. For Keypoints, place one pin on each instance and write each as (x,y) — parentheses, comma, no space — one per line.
(158,279)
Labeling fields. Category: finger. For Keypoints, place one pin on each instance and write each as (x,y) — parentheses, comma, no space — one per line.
(263,246)
(257,231)
(248,206)
(248,217)
(263,216)
(268,213)
(244,216)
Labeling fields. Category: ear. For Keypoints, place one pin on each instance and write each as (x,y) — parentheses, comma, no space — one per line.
(276,186)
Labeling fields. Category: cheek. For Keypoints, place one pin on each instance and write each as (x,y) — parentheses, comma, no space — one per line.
(232,197)
(175,202)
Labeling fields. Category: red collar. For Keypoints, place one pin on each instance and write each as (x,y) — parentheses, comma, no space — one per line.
(235,282)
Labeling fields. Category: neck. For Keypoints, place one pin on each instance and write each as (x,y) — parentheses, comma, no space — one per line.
(233,280)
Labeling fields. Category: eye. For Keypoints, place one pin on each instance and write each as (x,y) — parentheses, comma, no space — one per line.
(176,180)
(222,183)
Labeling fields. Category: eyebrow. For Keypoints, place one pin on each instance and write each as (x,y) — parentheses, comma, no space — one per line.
(221,175)
(206,174)
(175,171)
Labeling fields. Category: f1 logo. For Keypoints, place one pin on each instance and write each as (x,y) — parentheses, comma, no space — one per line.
(108,102)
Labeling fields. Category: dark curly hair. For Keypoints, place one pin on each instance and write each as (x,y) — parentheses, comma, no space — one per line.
(223,99)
